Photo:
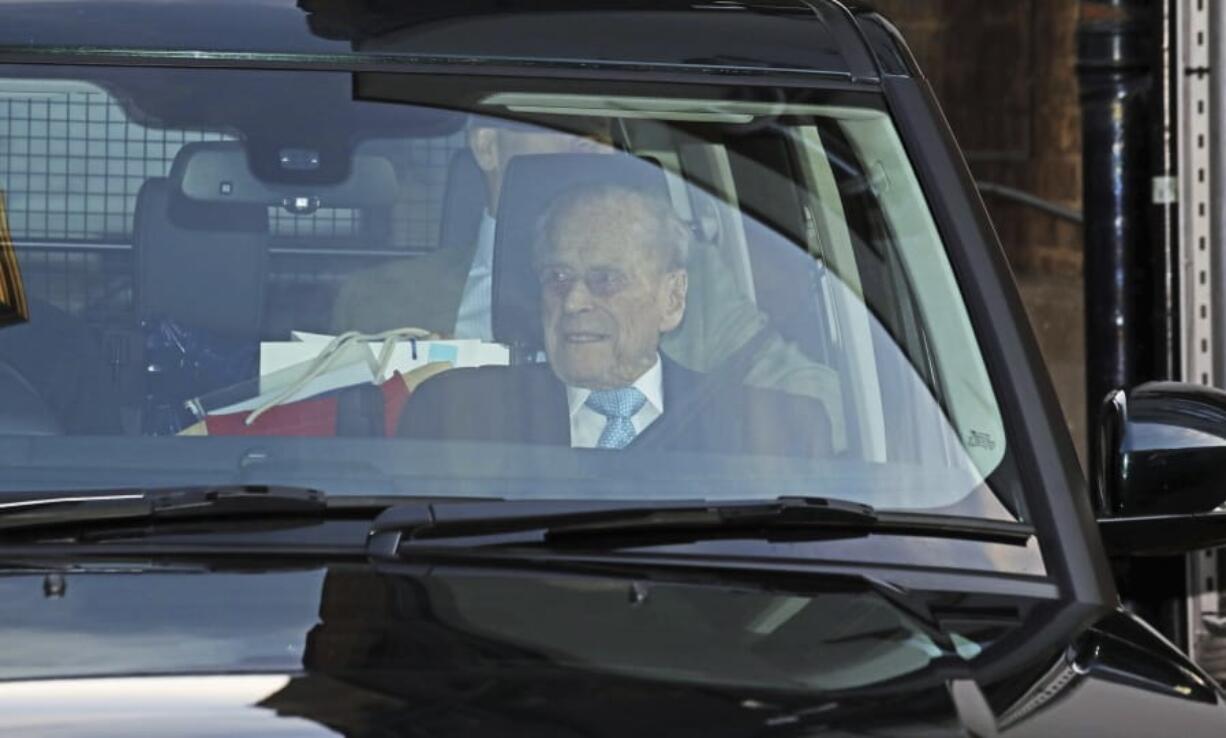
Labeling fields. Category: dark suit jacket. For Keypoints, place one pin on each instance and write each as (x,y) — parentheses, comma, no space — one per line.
(527,404)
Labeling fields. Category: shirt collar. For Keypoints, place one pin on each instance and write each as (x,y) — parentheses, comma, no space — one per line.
(651,384)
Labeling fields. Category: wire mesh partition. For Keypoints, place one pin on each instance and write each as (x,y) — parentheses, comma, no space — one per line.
(72,164)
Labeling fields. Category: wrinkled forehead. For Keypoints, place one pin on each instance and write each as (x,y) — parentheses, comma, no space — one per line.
(602,234)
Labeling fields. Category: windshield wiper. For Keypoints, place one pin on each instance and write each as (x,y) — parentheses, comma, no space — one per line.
(596,523)
(192,503)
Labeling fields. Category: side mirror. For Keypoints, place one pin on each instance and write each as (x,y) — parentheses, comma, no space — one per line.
(1160,469)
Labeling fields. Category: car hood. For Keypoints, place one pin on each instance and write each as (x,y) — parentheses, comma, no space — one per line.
(357,651)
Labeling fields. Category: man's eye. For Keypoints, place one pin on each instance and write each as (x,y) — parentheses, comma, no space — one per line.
(605,282)
(554,278)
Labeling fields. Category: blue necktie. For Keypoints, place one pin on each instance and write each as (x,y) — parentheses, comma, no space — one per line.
(619,406)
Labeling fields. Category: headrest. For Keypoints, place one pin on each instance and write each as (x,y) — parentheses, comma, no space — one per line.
(185,248)
(464,201)
(530,184)
(218,172)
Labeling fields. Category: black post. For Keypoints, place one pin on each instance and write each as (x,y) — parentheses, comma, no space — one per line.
(1119,68)
(1115,67)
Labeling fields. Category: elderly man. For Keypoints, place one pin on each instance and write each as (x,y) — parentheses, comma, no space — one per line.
(449,291)
(612,267)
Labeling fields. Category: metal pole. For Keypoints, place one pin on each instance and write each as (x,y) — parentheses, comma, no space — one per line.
(1204,59)
(1216,44)
(1053,209)
(1129,310)
(1115,68)
(1198,117)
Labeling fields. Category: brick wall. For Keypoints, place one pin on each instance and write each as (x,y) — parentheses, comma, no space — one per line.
(1004,72)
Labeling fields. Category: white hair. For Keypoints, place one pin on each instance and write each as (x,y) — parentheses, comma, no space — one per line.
(668,237)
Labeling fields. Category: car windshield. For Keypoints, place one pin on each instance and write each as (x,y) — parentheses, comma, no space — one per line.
(467,286)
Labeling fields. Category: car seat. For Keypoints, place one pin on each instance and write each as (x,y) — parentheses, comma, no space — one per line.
(201,267)
(201,263)
(464,201)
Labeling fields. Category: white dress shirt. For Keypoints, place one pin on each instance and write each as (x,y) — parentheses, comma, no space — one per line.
(586,424)
(477,301)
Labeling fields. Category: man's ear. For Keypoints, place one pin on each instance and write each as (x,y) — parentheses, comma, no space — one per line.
(675,285)
(483,142)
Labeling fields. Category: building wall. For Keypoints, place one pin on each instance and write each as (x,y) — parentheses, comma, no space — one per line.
(1004,72)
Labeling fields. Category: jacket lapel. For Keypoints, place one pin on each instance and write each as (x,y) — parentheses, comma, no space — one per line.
(677,384)
(543,409)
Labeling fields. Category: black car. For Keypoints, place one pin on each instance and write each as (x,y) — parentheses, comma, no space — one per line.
(491,367)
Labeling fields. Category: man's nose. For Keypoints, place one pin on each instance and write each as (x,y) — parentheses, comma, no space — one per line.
(577,297)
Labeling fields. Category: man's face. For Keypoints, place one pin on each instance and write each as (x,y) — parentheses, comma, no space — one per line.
(606,297)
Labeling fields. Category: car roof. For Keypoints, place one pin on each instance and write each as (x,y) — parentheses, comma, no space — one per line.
(800,37)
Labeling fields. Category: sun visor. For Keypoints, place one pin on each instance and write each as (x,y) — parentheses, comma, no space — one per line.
(219,173)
